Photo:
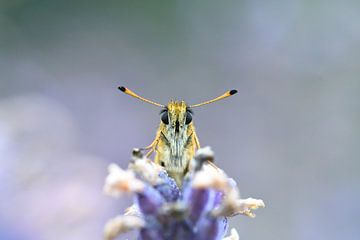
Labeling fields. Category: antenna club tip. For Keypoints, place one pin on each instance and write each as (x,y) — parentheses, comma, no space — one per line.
(232,92)
(122,88)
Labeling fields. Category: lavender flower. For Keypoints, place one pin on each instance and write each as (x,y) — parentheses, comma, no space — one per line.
(161,210)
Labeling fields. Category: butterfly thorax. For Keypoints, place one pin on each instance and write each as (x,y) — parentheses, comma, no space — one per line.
(176,140)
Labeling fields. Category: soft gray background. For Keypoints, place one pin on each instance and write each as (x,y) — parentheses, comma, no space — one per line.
(290,137)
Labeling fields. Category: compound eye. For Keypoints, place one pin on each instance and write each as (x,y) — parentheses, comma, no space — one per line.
(188,118)
(165,117)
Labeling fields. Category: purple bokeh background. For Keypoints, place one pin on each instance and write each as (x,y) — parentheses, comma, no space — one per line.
(290,136)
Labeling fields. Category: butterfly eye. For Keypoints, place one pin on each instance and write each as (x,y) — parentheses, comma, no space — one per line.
(165,117)
(188,118)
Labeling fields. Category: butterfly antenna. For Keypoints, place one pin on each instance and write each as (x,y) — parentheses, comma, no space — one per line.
(131,93)
(225,95)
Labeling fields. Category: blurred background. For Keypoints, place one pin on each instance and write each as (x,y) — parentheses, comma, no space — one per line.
(291,136)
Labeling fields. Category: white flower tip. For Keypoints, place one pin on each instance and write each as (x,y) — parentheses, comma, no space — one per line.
(232,206)
(113,167)
(246,205)
(121,181)
(121,224)
(204,152)
(132,211)
(233,235)
(253,203)
(210,177)
(147,169)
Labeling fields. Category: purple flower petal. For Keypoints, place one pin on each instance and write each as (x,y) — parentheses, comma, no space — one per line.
(149,201)
(150,234)
(210,228)
(199,202)
(168,189)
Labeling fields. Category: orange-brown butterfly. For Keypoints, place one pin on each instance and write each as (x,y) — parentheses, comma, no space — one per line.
(176,140)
